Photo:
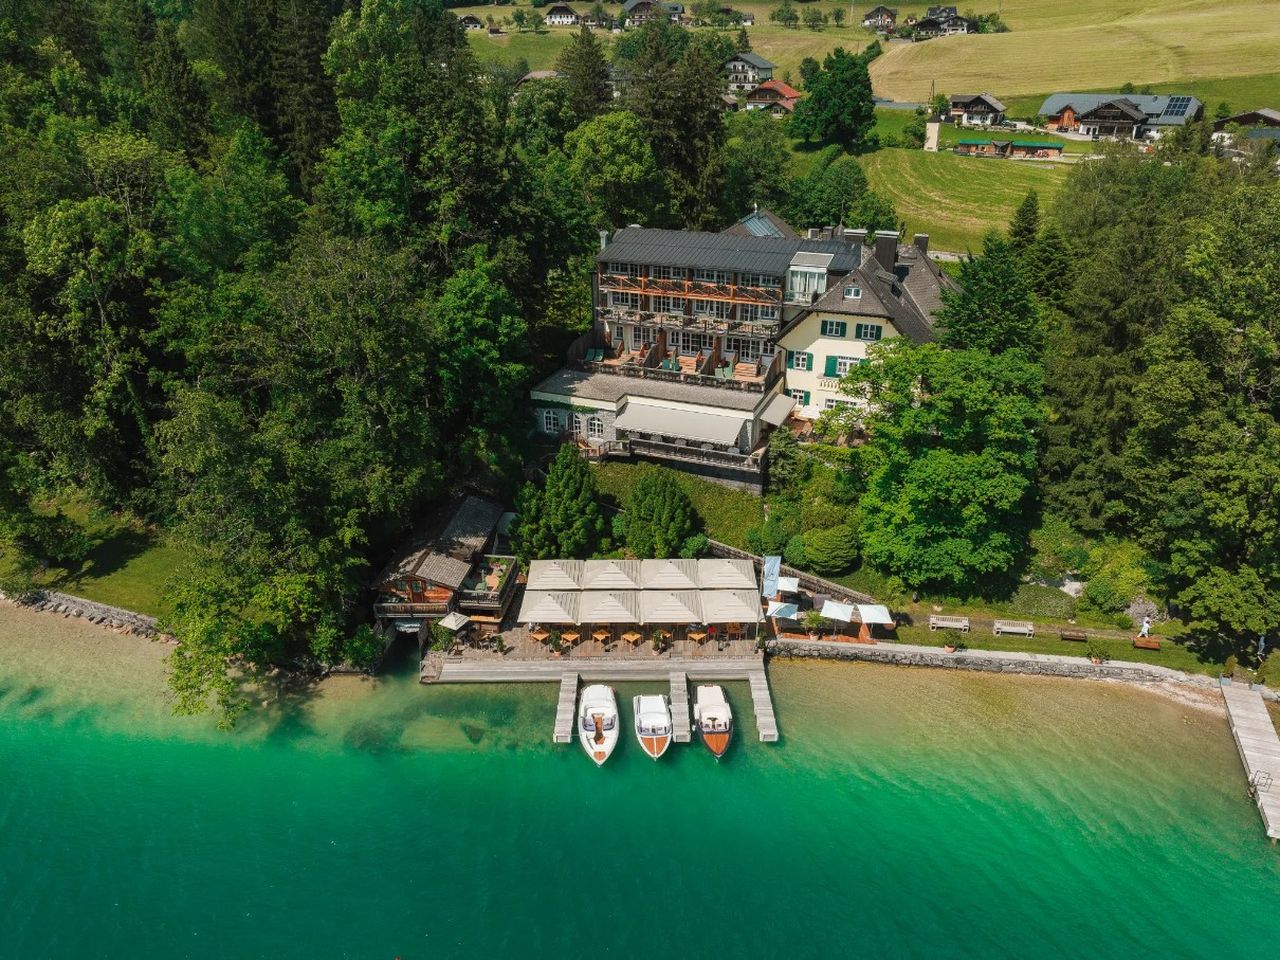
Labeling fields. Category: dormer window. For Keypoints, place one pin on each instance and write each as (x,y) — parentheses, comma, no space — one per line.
(852,293)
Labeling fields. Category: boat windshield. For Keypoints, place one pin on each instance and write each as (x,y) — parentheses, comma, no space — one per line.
(589,723)
(715,724)
(653,727)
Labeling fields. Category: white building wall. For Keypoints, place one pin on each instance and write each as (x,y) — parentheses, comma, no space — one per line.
(814,387)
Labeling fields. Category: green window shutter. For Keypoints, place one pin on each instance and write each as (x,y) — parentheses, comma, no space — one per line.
(808,361)
(830,370)
(842,328)
(791,360)
(806,398)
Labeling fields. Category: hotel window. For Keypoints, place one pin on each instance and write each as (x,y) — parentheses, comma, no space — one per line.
(595,428)
(624,301)
(711,308)
(666,273)
(576,420)
(711,276)
(799,361)
(852,293)
(834,328)
(868,331)
(844,365)
(803,285)
(550,421)
(757,313)
(761,280)
(800,395)
(746,348)
(833,404)
(669,304)
(624,269)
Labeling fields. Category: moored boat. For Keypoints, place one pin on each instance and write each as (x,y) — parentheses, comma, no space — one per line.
(653,723)
(598,722)
(714,719)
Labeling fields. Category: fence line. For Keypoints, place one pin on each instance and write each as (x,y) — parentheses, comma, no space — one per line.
(807,580)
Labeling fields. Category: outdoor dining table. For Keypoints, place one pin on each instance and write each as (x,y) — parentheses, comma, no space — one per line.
(600,635)
(631,636)
(570,636)
(540,635)
(697,635)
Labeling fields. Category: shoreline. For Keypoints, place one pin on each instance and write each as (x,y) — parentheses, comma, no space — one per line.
(1198,693)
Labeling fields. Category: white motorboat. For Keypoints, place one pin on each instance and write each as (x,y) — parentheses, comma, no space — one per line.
(653,723)
(598,722)
(714,719)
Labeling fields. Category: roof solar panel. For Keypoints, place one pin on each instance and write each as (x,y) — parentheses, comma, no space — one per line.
(1177,107)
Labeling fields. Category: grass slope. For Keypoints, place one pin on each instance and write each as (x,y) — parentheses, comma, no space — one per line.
(1092,45)
(957,199)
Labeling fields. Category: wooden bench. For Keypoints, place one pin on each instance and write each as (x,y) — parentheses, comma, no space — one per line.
(1024,627)
(1146,643)
(1079,636)
(949,623)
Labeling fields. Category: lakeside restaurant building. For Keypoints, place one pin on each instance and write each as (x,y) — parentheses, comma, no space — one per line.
(643,600)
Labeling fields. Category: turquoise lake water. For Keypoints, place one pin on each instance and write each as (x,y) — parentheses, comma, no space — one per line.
(905,814)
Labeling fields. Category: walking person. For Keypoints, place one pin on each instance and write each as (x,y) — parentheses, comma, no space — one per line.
(1146,627)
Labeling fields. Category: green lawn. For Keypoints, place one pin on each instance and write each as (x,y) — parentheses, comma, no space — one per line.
(128,565)
(957,199)
(726,513)
(1092,45)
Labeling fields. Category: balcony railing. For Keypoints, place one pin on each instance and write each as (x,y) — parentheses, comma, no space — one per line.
(693,453)
(693,289)
(396,609)
(700,322)
(671,376)
(483,598)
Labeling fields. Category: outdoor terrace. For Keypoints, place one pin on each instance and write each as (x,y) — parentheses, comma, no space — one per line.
(691,289)
(653,363)
(489,586)
(702,323)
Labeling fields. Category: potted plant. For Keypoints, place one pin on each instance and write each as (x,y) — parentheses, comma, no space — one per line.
(557,645)
(1229,667)
(813,621)
(1095,651)
(954,643)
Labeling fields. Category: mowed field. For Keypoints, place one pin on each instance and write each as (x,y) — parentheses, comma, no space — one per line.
(957,199)
(1097,44)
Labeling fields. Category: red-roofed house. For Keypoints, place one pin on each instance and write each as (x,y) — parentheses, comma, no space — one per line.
(775,96)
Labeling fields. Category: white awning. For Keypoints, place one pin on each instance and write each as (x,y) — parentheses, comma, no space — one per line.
(788,584)
(718,574)
(730,606)
(692,425)
(555,575)
(671,606)
(838,611)
(778,409)
(874,613)
(677,574)
(787,611)
(610,606)
(610,575)
(455,621)
(538,606)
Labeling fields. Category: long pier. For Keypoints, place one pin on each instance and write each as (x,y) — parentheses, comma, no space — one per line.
(1259,747)
(600,669)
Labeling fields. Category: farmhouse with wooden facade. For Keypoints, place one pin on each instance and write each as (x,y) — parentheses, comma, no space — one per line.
(1128,116)
(561,15)
(746,71)
(446,570)
(976,109)
(636,12)
(778,98)
(880,18)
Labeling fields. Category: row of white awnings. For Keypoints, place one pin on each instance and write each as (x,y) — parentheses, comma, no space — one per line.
(640,606)
(833,610)
(671,575)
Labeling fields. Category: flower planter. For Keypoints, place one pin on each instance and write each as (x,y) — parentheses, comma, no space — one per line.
(1096,661)
(949,648)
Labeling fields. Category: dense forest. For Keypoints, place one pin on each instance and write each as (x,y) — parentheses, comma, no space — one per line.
(277,274)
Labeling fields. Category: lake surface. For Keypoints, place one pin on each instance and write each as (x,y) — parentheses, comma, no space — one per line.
(904,814)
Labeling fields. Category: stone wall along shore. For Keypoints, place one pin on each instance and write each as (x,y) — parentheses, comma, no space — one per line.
(111,618)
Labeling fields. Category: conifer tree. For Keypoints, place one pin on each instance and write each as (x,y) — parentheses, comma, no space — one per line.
(689,138)
(585,72)
(994,310)
(175,99)
(658,517)
(743,43)
(1025,225)
(562,517)
(307,112)
(1050,268)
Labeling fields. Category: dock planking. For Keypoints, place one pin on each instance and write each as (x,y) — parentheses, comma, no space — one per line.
(680,730)
(604,669)
(565,708)
(1259,745)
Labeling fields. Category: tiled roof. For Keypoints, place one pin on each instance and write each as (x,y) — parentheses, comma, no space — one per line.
(752,58)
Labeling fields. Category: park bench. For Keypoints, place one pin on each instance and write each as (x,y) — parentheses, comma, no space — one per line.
(1077,635)
(1024,627)
(1146,643)
(949,623)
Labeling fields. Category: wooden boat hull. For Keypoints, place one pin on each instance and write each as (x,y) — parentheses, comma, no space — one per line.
(717,741)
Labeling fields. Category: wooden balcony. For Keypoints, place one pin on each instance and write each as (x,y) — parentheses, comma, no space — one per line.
(702,323)
(691,289)
(485,596)
(399,609)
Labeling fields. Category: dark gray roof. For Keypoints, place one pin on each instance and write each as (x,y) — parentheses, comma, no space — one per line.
(719,251)
(970,97)
(1158,109)
(611,388)
(761,223)
(471,527)
(752,58)
(445,558)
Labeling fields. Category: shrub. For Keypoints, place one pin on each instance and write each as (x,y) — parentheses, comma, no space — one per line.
(771,536)
(788,465)
(833,550)
(1056,549)
(364,647)
(821,514)
(1034,601)
(1117,572)
(794,553)
(1094,650)
(1267,668)
(1230,665)
(695,546)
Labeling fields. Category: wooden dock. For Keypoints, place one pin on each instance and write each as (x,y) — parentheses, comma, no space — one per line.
(680,731)
(604,669)
(566,707)
(1259,747)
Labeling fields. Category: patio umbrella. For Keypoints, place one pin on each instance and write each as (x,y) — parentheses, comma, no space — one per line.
(787,611)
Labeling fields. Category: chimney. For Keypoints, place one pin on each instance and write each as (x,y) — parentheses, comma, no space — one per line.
(814,233)
(604,239)
(887,249)
(921,240)
(856,237)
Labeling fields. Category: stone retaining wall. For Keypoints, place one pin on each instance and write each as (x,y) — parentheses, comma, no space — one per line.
(112,618)
(992,661)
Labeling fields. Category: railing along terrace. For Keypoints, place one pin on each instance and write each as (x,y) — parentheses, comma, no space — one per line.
(672,376)
(394,609)
(681,451)
(695,289)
